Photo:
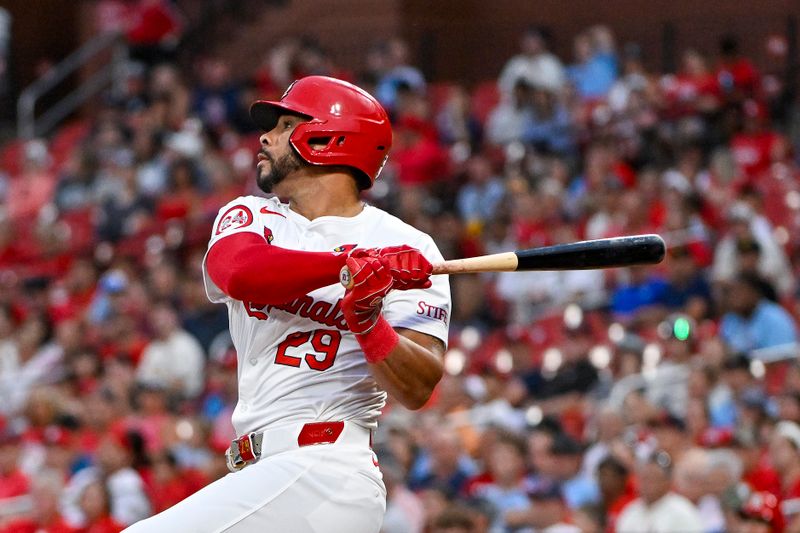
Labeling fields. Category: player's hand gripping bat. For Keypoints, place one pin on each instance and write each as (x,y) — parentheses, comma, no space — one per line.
(584,255)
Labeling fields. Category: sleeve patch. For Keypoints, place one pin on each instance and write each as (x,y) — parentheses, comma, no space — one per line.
(238,216)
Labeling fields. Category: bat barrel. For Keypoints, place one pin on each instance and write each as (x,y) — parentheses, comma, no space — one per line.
(600,253)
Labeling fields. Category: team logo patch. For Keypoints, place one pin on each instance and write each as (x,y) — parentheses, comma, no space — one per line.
(268,234)
(344,248)
(236,217)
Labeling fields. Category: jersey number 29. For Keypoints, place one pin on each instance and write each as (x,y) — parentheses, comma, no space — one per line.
(324,341)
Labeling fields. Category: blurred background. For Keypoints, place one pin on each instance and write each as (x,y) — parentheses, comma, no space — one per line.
(573,402)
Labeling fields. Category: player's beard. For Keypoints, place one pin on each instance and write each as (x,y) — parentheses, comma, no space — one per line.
(278,170)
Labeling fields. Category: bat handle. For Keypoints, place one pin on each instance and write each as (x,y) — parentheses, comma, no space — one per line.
(346,279)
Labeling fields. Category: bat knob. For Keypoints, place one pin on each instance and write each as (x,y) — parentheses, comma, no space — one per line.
(345,278)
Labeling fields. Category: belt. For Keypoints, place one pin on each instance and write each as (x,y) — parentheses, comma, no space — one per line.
(250,447)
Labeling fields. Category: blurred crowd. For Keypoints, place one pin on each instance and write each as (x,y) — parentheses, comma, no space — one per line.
(663,398)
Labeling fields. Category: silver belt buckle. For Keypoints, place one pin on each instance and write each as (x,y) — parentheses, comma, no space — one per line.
(233,460)
(252,446)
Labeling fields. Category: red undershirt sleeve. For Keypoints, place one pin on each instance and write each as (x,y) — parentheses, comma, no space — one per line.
(245,267)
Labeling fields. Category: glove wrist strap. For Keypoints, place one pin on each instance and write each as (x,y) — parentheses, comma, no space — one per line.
(379,341)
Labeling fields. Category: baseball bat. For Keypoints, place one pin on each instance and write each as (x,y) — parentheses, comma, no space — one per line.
(584,255)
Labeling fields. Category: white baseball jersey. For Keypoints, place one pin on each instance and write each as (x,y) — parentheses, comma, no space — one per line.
(298,361)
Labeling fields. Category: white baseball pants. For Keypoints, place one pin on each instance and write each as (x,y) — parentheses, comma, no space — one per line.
(324,488)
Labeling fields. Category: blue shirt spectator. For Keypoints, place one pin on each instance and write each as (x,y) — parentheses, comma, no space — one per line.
(549,125)
(641,291)
(753,321)
(479,198)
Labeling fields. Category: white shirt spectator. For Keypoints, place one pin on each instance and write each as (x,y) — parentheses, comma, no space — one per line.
(404,512)
(128,499)
(176,359)
(18,378)
(507,123)
(543,70)
(670,514)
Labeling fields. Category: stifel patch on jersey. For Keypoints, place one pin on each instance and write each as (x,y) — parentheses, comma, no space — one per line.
(236,217)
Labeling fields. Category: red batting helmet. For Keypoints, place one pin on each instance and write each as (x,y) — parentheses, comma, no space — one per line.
(352,125)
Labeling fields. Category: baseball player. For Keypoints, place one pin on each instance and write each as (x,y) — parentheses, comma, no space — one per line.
(315,361)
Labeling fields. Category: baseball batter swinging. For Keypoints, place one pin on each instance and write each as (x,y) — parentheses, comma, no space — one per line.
(315,359)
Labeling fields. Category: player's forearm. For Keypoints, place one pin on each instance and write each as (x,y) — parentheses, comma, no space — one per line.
(245,267)
(411,371)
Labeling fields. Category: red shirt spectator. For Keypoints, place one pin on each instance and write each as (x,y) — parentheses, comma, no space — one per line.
(151,23)
(752,148)
(419,158)
(170,484)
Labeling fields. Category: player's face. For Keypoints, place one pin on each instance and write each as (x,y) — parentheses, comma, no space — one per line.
(277,159)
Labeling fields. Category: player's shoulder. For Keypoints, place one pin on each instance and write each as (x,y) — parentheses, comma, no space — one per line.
(392,228)
(256,203)
(246,211)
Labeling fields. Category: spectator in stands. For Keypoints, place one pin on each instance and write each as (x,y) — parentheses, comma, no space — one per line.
(784,453)
(216,97)
(549,128)
(27,362)
(752,146)
(760,513)
(640,296)
(404,511)
(124,210)
(737,76)
(746,227)
(154,30)
(694,90)
(455,520)
(508,121)
(752,322)
(634,79)
(502,484)
(692,480)
(123,491)
(534,65)
(15,485)
(595,68)
(419,159)
(480,198)
(457,124)
(705,385)
(400,74)
(577,488)
(75,187)
(687,287)
(658,508)
(311,59)
(29,192)
(174,359)
(616,489)
(169,484)
(95,502)
(44,516)
(445,466)
(549,510)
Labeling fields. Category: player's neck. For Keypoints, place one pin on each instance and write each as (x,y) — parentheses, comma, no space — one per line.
(325,195)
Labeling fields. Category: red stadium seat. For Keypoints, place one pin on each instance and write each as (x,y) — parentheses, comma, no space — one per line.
(438,94)
(485,97)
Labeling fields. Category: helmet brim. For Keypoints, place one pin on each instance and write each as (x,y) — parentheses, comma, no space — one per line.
(266,113)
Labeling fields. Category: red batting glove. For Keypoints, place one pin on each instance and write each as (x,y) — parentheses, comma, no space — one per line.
(372,281)
(408,267)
